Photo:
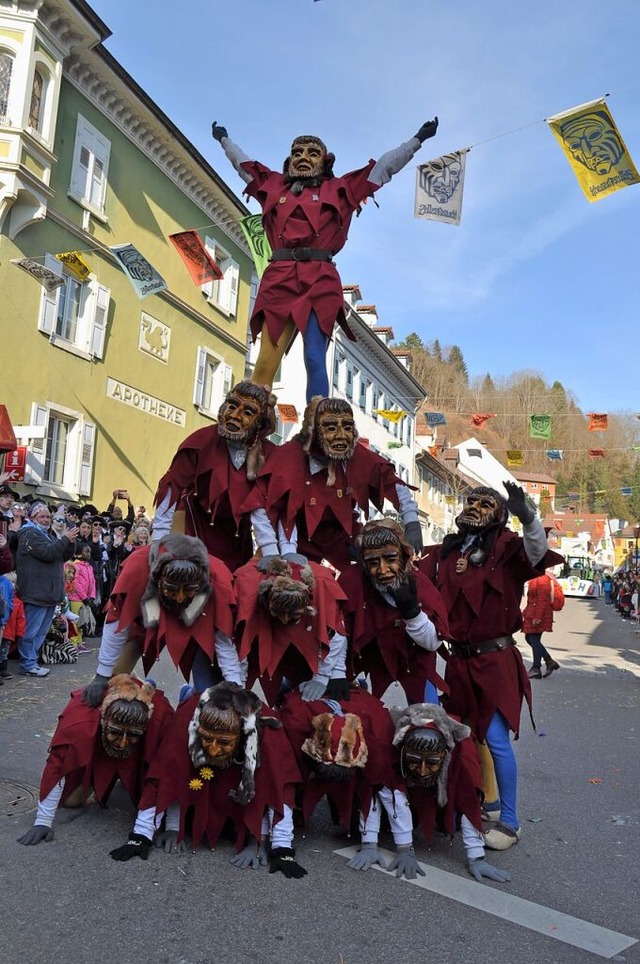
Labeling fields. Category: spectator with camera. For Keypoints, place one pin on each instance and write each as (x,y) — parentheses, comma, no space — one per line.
(115,512)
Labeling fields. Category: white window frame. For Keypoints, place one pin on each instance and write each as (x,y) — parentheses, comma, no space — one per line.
(223,294)
(213,379)
(90,158)
(5,119)
(80,451)
(93,315)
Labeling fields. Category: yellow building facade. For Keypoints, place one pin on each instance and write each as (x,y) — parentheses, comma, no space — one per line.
(101,385)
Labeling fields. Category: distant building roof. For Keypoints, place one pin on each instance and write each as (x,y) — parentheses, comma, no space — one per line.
(523,476)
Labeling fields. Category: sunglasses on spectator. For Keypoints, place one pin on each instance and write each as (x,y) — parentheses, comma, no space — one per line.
(59,518)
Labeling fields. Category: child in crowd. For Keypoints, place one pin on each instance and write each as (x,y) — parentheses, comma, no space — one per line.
(7,594)
(81,592)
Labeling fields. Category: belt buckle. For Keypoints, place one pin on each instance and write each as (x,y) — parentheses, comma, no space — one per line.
(295,254)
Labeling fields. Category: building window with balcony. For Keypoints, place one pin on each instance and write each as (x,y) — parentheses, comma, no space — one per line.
(75,314)
(212,382)
(6,69)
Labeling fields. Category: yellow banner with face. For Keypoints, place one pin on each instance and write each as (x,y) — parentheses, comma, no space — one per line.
(594,148)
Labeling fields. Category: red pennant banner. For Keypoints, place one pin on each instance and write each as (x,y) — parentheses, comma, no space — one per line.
(479,421)
(197,259)
(596,453)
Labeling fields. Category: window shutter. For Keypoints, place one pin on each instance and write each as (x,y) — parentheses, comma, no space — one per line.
(82,159)
(228,287)
(208,288)
(49,306)
(99,321)
(37,447)
(201,367)
(86,458)
(227,383)
(98,185)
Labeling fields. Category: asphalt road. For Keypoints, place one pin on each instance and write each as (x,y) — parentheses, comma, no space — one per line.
(575,873)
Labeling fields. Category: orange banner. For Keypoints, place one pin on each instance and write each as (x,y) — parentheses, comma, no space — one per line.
(197,259)
(597,423)
(287,413)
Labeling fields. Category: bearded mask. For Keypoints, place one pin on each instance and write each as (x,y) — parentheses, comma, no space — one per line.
(309,163)
(385,555)
(240,417)
(179,580)
(482,508)
(219,735)
(287,599)
(329,431)
(124,715)
(422,756)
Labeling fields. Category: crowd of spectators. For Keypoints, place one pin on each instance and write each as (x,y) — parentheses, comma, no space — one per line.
(58,564)
(624,593)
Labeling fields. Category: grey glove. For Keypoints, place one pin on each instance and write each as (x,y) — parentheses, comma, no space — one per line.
(95,690)
(262,564)
(413,535)
(252,857)
(519,504)
(480,868)
(367,855)
(218,131)
(405,863)
(167,840)
(427,130)
(312,690)
(35,836)
(297,558)
(406,598)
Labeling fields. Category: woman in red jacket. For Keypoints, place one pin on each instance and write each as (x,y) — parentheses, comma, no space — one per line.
(543,595)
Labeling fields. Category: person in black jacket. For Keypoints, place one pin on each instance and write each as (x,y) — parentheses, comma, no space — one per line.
(39,566)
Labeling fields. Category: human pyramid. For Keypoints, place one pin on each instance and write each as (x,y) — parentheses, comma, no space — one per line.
(265,571)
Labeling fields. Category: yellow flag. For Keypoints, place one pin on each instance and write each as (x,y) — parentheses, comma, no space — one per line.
(514,457)
(594,148)
(75,265)
(390,414)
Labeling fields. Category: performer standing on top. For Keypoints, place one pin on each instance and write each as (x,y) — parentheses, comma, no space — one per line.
(306,212)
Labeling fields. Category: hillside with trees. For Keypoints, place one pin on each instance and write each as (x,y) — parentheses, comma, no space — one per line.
(588,483)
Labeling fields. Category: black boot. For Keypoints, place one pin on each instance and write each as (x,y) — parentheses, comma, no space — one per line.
(4,672)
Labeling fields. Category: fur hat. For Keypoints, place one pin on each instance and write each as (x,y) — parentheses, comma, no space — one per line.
(337,739)
(230,696)
(175,546)
(125,687)
(425,715)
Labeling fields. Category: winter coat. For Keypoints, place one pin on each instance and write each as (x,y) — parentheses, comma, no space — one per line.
(6,601)
(39,565)
(84,583)
(538,608)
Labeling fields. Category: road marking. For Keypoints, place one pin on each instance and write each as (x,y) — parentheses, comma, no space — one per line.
(544,920)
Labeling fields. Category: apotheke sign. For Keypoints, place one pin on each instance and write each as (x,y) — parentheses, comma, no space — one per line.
(145,403)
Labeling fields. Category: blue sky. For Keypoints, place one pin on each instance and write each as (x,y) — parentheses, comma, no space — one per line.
(535,277)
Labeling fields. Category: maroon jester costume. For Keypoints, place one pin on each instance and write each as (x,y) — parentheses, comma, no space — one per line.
(287,617)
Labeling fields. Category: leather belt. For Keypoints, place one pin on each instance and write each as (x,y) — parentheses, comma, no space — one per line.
(469,650)
(301,254)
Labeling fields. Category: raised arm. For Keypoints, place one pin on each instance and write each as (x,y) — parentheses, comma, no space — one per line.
(394,160)
(235,154)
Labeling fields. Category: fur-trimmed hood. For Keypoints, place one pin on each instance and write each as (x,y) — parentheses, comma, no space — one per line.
(175,546)
(430,715)
(247,705)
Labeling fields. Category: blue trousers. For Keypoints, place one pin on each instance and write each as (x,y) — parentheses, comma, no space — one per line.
(506,767)
(315,359)
(37,619)
(539,651)
(203,673)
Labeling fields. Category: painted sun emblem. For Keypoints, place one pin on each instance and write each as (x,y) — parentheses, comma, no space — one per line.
(196,784)
(207,773)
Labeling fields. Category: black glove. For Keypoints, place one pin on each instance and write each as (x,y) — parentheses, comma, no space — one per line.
(218,132)
(35,836)
(281,861)
(518,504)
(413,535)
(406,598)
(427,130)
(138,846)
(337,689)
(95,690)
